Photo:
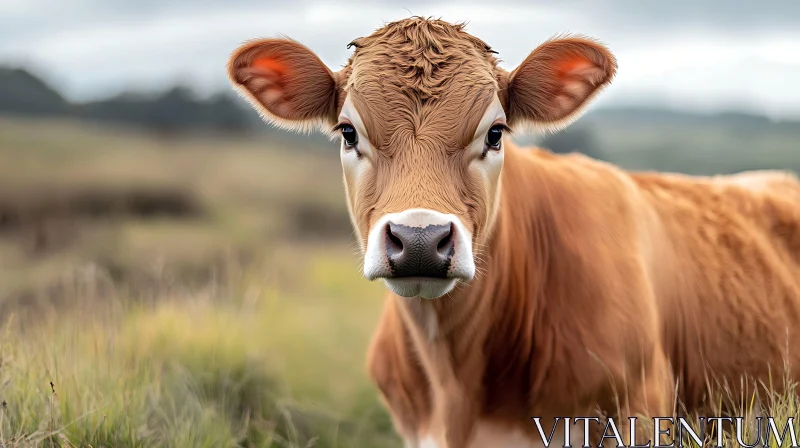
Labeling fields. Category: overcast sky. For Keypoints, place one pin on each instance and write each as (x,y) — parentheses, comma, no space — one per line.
(688,54)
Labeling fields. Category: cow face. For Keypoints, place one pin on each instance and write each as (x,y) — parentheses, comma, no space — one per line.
(421,109)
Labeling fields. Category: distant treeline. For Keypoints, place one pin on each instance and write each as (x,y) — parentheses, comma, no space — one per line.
(175,110)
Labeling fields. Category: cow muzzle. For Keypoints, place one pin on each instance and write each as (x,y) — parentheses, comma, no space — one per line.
(419,253)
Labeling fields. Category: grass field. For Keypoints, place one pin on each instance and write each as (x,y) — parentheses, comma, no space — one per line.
(177,293)
(195,291)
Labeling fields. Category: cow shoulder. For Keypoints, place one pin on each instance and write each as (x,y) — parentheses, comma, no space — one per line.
(599,225)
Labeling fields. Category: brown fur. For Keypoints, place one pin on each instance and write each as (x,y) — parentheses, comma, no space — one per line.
(599,289)
(411,78)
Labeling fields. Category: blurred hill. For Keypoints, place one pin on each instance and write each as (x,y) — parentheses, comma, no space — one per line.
(634,138)
(22,93)
(174,111)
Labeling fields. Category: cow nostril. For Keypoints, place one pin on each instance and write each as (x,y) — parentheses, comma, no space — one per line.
(392,241)
(446,243)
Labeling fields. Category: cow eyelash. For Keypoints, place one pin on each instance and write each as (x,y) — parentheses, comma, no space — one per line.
(339,126)
(504,127)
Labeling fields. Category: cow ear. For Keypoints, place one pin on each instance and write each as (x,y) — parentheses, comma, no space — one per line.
(552,86)
(286,82)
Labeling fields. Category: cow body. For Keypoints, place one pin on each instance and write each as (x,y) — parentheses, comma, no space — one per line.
(525,284)
(592,274)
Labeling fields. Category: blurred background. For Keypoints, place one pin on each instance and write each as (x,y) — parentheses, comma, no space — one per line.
(174,272)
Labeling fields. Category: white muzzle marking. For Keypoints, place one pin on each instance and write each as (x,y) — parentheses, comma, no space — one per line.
(414,278)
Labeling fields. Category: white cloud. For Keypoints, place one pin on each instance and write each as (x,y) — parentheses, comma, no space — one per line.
(707,72)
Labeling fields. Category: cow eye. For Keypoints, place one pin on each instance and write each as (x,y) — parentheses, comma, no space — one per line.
(494,136)
(349,134)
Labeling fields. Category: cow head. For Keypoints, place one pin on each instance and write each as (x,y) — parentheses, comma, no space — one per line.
(421,109)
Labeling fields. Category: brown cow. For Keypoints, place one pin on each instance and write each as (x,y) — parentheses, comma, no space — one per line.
(525,284)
